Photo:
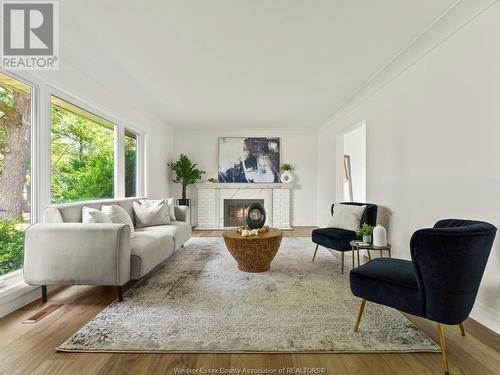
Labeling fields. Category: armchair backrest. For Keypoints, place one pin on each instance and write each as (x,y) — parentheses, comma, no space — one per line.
(449,261)
(370,214)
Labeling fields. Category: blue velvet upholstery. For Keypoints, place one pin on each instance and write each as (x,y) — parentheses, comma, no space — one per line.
(441,281)
(339,239)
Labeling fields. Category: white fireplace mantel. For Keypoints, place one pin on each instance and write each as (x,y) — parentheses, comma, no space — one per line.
(211,197)
(218,185)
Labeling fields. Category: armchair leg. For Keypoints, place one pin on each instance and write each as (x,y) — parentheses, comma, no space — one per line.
(360,313)
(315,251)
(342,257)
(442,343)
(462,329)
(44,294)
(120,293)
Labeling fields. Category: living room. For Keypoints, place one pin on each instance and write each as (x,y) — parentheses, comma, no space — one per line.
(267,187)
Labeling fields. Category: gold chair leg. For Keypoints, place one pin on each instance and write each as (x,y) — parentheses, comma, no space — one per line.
(442,343)
(315,251)
(462,329)
(342,257)
(360,313)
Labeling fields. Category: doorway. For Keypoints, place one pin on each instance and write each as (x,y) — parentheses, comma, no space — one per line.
(354,182)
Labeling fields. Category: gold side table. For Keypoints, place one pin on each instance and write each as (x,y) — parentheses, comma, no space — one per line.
(355,245)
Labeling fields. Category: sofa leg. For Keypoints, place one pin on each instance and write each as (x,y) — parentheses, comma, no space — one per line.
(442,343)
(360,313)
(342,261)
(462,329)
(120,293)
(44,294)
(315,251)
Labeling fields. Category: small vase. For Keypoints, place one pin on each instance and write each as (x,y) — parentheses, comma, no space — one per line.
(286,177)
(367,238)
(379,236)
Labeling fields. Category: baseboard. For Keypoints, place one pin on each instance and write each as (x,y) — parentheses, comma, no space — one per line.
(486,316)
(22,296)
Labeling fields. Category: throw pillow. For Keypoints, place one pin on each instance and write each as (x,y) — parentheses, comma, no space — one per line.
(91,216)
(118,216)
(346,216)
(171,208)
(154,206)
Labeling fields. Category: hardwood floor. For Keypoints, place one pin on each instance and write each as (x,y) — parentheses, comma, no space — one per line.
(29,348)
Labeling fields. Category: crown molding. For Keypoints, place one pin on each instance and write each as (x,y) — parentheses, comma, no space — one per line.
(449,23)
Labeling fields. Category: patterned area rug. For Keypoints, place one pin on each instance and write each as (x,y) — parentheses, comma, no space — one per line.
(198,301)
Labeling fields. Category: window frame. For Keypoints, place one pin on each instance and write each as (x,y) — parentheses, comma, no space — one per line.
(12,283)
(13,278)
(119,143)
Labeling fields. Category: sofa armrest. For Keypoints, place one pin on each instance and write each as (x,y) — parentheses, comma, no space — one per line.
(75,253)
(182,213)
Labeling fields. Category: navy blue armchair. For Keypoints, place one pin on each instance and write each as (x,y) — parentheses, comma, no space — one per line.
(441,281)
(339,239)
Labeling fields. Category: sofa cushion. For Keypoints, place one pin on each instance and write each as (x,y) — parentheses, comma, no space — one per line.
(334,238)
(149,248)
(180,231)
(388,281)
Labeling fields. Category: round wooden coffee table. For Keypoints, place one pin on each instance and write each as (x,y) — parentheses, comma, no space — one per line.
(253,253)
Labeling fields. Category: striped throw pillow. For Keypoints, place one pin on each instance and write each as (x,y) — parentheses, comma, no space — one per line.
(118,216)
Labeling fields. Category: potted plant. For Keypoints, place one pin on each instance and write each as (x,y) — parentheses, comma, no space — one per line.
(185,173)
(286,173)
(365,231)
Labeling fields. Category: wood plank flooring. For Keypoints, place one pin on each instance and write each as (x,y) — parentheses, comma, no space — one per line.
(29,348)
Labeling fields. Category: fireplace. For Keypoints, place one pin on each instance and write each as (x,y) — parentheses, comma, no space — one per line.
(235,211)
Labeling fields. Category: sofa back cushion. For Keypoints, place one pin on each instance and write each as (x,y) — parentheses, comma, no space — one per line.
(72,212)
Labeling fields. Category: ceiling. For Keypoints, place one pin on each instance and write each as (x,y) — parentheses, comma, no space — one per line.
(246,63)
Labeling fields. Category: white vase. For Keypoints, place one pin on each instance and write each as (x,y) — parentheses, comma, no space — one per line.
(286,177)
(379,236)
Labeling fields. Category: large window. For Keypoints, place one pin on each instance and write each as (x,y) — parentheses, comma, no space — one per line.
(15,191)
(82,154)
(130,163)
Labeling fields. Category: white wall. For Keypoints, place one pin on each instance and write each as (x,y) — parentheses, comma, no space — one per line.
(433,144)
(355,147)
(297,147)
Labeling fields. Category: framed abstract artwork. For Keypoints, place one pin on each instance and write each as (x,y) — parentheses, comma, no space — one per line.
(249,160)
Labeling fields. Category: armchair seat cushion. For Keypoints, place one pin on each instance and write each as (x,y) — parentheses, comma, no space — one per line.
(334,238)
(390,282)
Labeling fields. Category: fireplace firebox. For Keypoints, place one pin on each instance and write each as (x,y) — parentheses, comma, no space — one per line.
(235,211)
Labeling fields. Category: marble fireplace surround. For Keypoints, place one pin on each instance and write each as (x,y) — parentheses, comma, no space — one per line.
(211,197)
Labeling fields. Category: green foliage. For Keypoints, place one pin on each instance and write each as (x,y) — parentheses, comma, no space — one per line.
(11,246)
(287,167)
(130,166)
(82,158)
(365,230)
(185,172)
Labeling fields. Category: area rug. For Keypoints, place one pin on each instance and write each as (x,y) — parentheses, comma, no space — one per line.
(198,301)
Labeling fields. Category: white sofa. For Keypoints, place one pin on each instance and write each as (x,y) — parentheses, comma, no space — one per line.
(63,251)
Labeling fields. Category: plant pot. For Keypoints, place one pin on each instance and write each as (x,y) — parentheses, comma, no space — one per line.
(286,177)
(367,238)
(183,202)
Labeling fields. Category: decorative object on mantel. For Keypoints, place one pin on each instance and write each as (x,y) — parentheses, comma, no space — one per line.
(185,173)
(366,231)
(256,215)
(286,173)
(249,159)
(379,236)
(212,180)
